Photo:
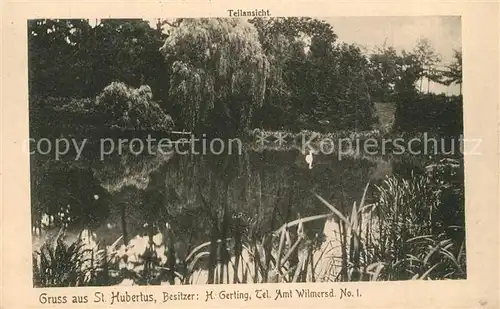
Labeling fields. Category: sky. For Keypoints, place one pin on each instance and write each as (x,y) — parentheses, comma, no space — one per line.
(443,32)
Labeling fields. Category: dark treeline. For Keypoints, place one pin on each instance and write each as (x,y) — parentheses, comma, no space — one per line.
(226,76)
(234,77)
(437,114)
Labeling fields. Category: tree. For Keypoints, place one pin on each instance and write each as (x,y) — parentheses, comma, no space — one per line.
(219,73)
(301,55)
(314,83)
(359,111)
(125,50)
(410,71)
(54,46)
(285,51)
(454,73)
(128,108)
(385,69)
(427,58)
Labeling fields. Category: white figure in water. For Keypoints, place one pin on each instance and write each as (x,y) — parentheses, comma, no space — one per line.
(309,159)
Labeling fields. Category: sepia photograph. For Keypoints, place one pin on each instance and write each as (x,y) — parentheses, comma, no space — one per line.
(194,151)
(246,154)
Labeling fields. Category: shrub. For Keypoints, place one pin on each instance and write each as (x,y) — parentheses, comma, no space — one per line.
(429,113)
(132,109)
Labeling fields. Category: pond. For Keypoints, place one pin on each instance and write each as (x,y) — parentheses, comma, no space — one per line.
(241,196)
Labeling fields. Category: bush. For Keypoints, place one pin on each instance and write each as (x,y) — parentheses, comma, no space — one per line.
(117,107)
(429,113)
(132,109)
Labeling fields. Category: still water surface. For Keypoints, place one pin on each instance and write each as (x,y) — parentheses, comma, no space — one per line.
(248,195)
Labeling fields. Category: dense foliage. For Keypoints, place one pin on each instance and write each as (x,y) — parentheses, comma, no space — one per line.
(226,76)
(75,58)
(117,107)
(218,72)
(316,83)
(430,113)
(131,109)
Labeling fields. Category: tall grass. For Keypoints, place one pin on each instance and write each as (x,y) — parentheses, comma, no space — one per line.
(79,263)
(398,237)
(60,265)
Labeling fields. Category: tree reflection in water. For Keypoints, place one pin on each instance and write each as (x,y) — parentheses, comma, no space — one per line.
(233,204)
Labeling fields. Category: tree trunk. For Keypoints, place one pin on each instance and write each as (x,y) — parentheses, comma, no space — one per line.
(212,258)
(238,248)
(223,254)
(124,224)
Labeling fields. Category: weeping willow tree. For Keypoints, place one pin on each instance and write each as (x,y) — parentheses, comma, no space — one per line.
(285,44)
(219,73)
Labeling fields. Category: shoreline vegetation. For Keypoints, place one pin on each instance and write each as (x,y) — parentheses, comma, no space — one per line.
(278,79)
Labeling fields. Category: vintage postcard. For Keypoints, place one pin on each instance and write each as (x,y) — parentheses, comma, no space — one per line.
(252,154)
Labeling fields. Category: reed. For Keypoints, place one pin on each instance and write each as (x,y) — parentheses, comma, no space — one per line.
(58,264)
(398,237)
